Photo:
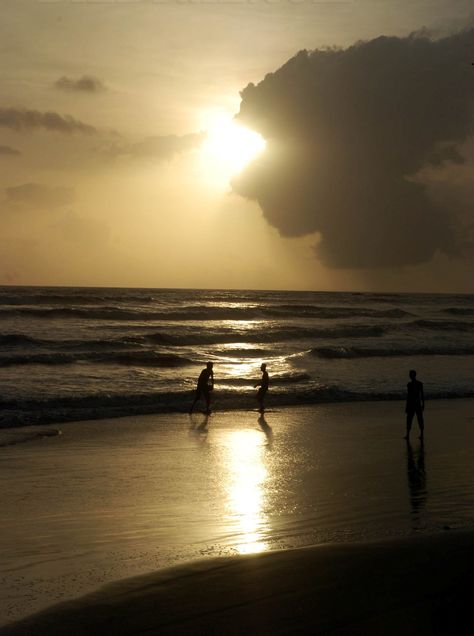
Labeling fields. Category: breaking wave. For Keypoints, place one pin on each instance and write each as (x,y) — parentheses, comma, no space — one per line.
(200,313)
(135,358)
(362,352)
(16,413)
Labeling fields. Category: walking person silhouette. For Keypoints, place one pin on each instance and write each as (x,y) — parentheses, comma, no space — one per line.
(263,384)
(205,385)
(415,404)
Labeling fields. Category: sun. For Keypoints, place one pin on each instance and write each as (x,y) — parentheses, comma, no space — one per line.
(229,147)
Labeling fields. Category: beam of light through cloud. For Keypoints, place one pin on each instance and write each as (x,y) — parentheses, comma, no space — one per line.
(159,147)
(148,162)
(228,147)
(348,132)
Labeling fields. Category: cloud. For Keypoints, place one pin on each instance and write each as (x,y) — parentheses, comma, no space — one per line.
(35,195)
(348,133)
(83,230)
(84,84)
(20,119)
(7,150)
(159,147)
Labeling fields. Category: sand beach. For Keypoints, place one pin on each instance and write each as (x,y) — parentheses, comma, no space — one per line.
(405,586)
(258,502)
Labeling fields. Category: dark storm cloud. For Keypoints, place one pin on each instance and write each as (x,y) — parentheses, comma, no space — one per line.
(347,133)
(36,195)
(84,84)
(159,147)
(7,150)
(21,119)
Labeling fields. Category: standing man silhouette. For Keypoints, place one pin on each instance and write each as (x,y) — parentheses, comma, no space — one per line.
(415,404)
(263,384)
(205,385)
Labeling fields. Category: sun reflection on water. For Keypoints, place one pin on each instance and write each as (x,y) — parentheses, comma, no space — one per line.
(241,368)
(247,474)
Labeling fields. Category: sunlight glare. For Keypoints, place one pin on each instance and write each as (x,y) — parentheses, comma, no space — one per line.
(246,491)
(229,147)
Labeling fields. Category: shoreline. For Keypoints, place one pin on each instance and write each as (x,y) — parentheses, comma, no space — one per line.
(418,585)
(11,419)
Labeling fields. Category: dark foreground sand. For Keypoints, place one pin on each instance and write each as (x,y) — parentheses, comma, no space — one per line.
(422,585)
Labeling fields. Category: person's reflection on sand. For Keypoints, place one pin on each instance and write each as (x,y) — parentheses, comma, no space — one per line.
(416,473)
(266,429)
(202,426)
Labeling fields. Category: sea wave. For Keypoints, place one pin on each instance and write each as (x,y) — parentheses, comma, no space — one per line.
(278,379)
(199,313)
(48,297)
(320,311)
(93,338)
(84,313)
(258,334)
(386,352)
(11,437)
(460,311)
(443,325)
(244,353)
(265,334)
(15,339)
(16,413)
(261,334)
(129,358)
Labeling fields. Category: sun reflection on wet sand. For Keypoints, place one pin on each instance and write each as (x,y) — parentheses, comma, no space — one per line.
(246,477)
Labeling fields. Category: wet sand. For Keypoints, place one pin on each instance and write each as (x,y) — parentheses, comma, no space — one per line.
(416,586)
(113,499)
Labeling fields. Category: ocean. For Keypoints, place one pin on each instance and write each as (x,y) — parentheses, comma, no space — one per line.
(88,353)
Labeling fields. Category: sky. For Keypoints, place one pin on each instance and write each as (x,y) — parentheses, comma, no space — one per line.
(278,144)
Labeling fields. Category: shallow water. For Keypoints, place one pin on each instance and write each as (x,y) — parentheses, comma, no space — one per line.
(72,353)
(111,499)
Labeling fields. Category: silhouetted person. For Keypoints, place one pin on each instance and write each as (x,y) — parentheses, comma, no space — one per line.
(415,404)
(263,384)
(204,387)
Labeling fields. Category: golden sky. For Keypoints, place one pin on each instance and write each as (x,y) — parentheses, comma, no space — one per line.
(118,145)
